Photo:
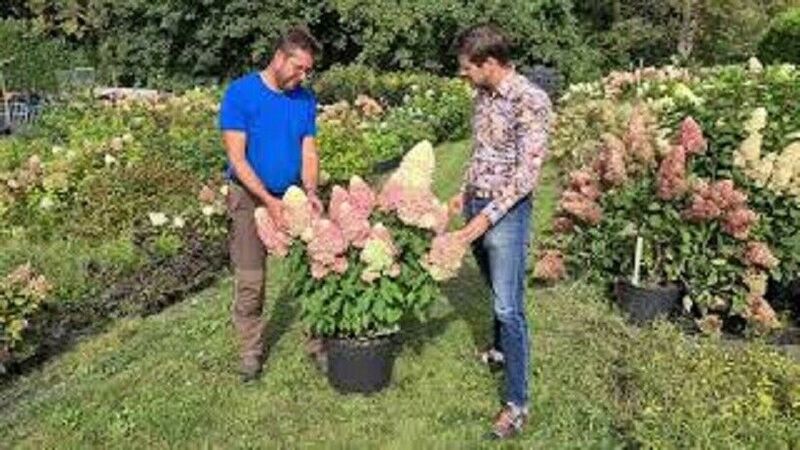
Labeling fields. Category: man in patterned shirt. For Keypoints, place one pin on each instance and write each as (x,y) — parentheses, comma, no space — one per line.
(510,133)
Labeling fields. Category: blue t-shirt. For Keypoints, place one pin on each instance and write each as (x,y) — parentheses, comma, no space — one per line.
(275,124)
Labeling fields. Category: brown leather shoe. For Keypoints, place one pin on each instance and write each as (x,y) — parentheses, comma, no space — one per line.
(508,422)
(318,352)
(250,369)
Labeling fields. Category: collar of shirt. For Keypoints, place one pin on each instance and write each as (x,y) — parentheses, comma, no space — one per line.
(504,89)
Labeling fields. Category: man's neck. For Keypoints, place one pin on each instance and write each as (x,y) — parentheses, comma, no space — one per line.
(268,77)
(499,75)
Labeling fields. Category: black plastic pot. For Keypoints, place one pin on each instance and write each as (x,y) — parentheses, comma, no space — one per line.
(644,304)
(360,365)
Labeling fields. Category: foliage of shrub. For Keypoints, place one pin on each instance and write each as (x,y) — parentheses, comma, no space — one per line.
(30,61)
(352,142)
(781,42)
(723,219)
(22,293)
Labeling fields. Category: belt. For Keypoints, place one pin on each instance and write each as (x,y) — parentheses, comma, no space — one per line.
(485,194)
(474,192)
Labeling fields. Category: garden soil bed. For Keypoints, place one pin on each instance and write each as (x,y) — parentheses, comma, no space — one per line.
(160,283)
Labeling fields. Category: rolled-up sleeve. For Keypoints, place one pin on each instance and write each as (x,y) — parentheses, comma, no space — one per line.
(531,136)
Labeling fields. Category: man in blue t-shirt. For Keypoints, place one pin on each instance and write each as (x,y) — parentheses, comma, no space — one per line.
(268,128)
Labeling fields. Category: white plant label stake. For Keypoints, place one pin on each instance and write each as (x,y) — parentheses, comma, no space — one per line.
(637,260)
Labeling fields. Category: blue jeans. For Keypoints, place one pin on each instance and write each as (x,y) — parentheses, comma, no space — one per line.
(501,254)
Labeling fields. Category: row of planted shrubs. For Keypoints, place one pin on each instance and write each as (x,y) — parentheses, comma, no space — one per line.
(371,117)
(704,166)
(94,193)
(99,192)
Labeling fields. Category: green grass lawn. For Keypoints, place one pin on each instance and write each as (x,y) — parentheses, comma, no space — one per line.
(168,381)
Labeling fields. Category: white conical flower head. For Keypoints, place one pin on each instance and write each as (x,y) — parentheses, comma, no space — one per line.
(294,196)
(758,120)
(416,170)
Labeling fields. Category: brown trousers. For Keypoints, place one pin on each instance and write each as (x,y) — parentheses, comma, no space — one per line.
(248,261)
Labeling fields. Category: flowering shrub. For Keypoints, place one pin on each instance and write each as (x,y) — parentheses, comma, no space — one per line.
(604,210)
(22,293)
(715,199)
(374,259)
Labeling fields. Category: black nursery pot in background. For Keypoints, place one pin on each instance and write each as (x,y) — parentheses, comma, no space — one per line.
(644,304)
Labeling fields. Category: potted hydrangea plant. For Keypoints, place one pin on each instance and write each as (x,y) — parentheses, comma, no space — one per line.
(366,265)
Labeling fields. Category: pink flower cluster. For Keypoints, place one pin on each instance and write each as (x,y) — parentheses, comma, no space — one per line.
(610,162)
(721,200)
(759,255)
(407,193)
(580,200)
(563,225)
(326,249)
(616,81)
(206,195)
(615,162)
(739,222)
(297,219)
(691,137)
(672,171)
(445,257)
(351,210)
(368,106)
(25,277)
(761,312)
(298,214)
(639,138)
(416,207)
(276,239)
(550,266)
(672,174)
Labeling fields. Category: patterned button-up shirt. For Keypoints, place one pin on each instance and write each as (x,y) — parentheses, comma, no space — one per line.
(509,133)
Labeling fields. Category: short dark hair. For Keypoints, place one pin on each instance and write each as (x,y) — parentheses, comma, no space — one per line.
(481,42)
(298,38)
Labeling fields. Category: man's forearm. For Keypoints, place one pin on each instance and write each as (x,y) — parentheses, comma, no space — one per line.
(476,227)
(248,178)
(310,173)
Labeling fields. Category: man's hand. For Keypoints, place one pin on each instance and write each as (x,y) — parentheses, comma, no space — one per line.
(276,211)
(456,204)
(474,229)
(316,203)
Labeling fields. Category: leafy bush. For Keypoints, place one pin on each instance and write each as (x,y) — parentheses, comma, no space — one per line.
(22,293)
(353,142)
(781,42)
(175,44)
(628,33)
(89,179)
(348,82)
(178,43)
(89,170)
(29,61)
